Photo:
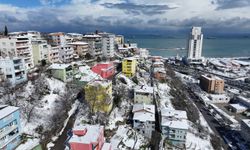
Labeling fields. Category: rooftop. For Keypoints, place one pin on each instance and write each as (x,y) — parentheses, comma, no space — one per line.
(143,107)
(78,43)
(59,66)
(91,135)
(177,124)
(238,106)
(92,36)
(211,77)
(7,110)
(247,122)
(129,58)
(144,89)
(179,114)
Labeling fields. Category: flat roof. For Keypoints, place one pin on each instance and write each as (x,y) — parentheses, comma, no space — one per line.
(59,66)
(7,110)
(143,107)
(247,122)
(238,106)
(78,43)
(91,136)
(144,89)
(211,77)
(176,124)
(179,114)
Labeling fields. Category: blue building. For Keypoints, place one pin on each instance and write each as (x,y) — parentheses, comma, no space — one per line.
(9,127)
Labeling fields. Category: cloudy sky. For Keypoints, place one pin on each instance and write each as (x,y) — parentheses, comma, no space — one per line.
(126,16)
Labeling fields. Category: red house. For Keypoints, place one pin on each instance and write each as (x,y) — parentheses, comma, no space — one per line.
(89,137)
(105,70)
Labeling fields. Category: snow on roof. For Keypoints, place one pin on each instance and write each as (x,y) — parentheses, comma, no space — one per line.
(87,74)
(129,58)
(144,89)
(216,96)
(238,106)
(144,112)
(92,36)
(158,63)
(179,114)
(59,66)
(247,122)
(211,77)
(100,82)
(7,110)
(244,99)
(78,43)
(106,146)
(91,136)
(177,124)
(243,63)
(162,70)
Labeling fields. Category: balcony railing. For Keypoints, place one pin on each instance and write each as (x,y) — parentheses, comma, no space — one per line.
(7,130)
(9,139)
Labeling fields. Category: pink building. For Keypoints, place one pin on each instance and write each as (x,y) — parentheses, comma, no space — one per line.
(89,137)
(105,70)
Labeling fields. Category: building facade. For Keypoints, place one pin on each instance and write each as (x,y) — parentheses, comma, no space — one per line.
(54,54)
(40,50)
(63,72)
(14,70)
(66,53)
(144,119)
(80,48)
(9,127)
(212,84)
(98,94)
(143,94)
(95,44)
(56,39)
(174,126)
(195,46)
(7,47)
(105,70)
(108,44)
(129,66)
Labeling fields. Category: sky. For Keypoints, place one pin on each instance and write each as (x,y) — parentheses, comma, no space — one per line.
(127,16)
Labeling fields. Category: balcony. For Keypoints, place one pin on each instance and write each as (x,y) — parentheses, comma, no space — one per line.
(9,139)
(7,130)
(21,46)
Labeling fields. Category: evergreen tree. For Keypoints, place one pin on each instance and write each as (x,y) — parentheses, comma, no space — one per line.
(5,31)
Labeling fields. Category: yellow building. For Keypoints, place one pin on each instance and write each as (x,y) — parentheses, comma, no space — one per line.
(129,66)
(98,94)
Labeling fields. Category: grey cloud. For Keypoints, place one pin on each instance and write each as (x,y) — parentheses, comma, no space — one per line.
(137,9)
(228,4)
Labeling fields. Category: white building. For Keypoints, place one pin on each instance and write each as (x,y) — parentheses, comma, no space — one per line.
(174,125)
(13,69)
(144,119)
(108,44)
(143,52)
(237,108)
(7,47)
(57,39)
(95,44)
(54,54)
(219,98)
(143,94)
(195,46)
(245,129)
(243,100)
(66,53)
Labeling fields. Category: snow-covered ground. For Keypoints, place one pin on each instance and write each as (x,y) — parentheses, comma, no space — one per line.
(165,97)
(30,144)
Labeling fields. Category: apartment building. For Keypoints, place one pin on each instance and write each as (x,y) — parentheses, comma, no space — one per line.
(40,49)
(57,38)
(105,70)
(13,69)
(212,84)
(7,47)
(66,53)
(80,48)
(174,126)
(9,127)
(54,54)
(143,94)
(108,44)
(119,39)
(129,66)
(144,119)
(95,44)
(88,137)
(98,94)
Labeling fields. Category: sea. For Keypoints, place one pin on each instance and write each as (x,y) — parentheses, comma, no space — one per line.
(212,47)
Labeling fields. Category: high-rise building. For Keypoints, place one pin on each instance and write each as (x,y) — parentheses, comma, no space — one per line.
(95,44)
(195,46)
(129,66)
(108,44)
